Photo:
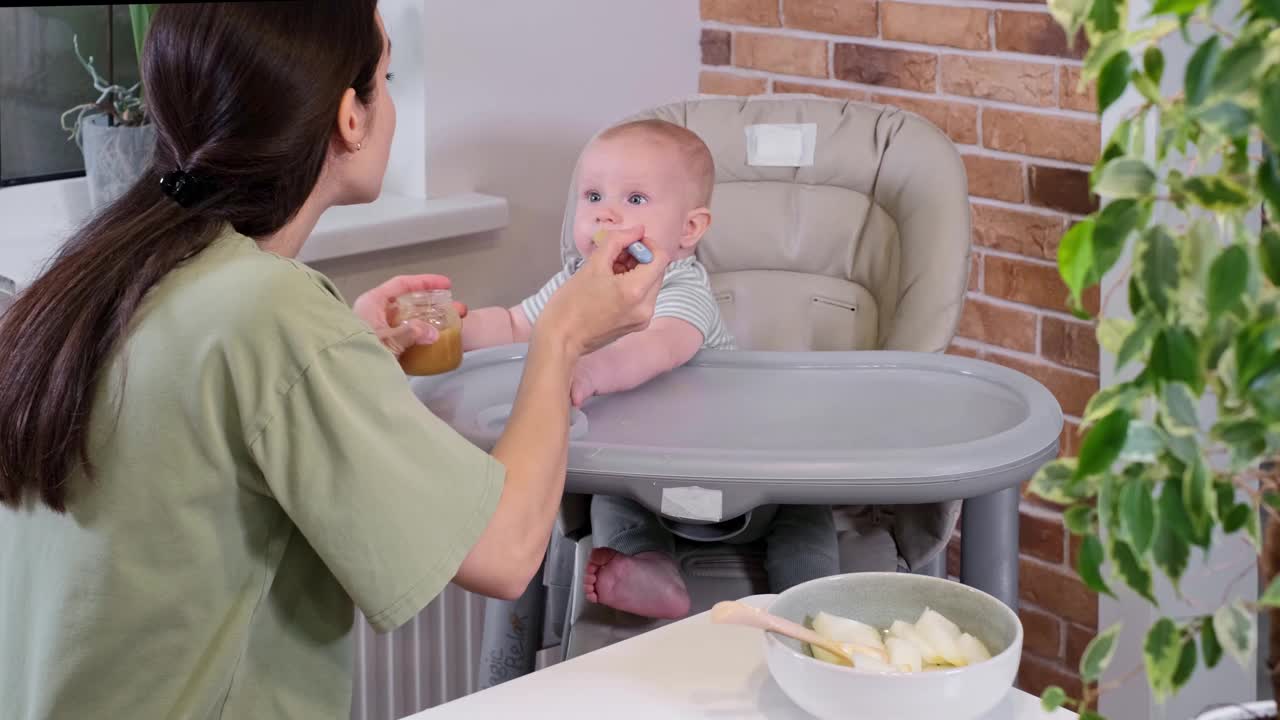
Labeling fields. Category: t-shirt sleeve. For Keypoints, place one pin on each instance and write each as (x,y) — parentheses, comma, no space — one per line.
(534,304)
(387,494)
(686,295)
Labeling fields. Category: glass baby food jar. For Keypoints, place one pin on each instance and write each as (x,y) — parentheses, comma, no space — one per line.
(434,307)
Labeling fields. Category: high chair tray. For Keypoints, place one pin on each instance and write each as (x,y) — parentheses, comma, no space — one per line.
(732,430)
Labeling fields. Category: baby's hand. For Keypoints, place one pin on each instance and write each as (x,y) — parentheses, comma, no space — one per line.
(582,386)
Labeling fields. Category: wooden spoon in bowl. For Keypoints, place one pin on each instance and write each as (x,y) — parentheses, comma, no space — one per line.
(732,612)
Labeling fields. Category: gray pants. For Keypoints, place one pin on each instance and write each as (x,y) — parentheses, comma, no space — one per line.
(800,541)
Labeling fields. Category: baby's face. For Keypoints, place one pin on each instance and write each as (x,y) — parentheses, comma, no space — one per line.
(633,180)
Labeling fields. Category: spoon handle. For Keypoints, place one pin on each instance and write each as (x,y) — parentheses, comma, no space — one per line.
(736,613)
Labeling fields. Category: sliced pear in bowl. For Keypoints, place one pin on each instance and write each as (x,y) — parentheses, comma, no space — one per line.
(907,631)
(904,655)
(973,649)
(842,629)
(943,635)
(932,642)
(828,656)
(870,663)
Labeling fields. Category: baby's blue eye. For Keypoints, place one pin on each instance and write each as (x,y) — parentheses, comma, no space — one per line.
(637,199)
(592,196)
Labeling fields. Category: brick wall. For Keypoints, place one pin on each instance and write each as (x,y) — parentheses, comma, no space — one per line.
(999,79)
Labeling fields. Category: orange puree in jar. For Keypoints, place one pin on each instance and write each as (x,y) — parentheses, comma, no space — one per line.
(441,356)
(434,307)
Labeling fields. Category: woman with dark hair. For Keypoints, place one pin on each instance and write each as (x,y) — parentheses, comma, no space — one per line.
(206,458)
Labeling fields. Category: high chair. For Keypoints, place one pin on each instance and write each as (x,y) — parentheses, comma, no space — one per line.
(836,226)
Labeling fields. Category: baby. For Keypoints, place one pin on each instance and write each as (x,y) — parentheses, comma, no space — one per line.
(657,175)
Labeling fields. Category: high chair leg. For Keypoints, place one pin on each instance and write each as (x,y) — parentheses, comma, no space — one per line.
(512,635)
(577,595)
(989,544)
(937,567)
(558,579)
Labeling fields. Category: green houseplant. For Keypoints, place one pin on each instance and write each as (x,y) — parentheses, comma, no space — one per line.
(113,131)
(1186,178)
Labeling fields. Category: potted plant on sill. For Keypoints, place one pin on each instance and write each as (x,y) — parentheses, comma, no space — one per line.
(1152,481)
(113,132)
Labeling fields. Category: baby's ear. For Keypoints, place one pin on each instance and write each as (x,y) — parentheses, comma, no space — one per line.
(695,226)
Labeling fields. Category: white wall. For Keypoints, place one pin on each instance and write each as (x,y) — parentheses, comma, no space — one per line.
(513,90)
(1205,582)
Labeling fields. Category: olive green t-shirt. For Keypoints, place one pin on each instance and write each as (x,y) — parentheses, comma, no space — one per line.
(260,463)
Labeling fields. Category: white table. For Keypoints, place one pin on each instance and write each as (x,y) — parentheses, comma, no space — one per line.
(690,669)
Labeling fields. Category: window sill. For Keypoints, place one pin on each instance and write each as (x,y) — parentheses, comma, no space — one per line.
(394,221)
(39,217)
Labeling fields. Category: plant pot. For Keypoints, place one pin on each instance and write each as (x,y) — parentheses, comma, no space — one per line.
(114,157)
(1243,711)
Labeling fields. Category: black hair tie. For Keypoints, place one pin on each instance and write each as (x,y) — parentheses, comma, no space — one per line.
(185,189)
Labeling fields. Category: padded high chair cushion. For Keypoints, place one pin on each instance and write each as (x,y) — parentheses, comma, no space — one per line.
(781,310)
(866,248)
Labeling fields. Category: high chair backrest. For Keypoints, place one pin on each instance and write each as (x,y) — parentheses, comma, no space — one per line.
(865,245)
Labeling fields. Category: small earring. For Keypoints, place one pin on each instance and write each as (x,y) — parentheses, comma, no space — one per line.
(359,147)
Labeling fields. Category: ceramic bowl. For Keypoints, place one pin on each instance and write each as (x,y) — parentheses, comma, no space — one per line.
(834,692)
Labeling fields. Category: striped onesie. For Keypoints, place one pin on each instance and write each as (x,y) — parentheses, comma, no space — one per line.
(685,294)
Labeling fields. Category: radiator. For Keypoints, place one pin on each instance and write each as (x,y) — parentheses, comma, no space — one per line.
(429,660)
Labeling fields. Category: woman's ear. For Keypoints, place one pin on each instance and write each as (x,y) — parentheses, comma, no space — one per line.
(695,226)
(353,119)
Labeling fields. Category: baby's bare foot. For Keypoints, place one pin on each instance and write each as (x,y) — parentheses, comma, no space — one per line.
(647,584)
